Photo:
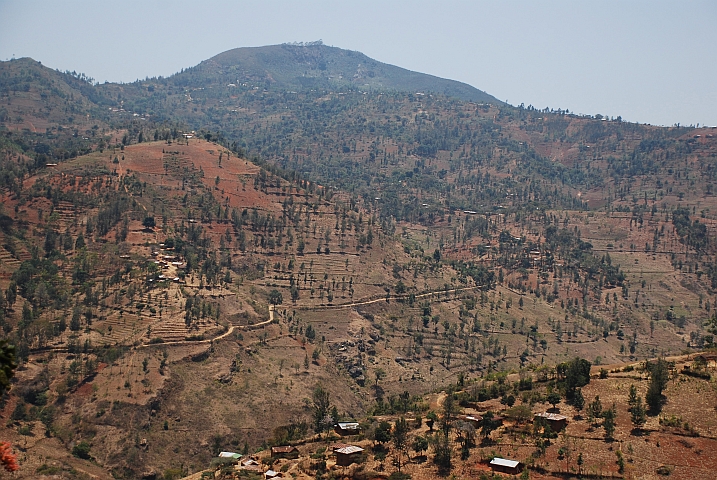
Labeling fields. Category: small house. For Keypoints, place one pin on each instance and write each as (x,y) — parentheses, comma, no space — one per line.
(250,464)
(284,451)
(347,455)
(557,422)
(498,420)
(347,428)
(272,474)
(472,419)
(337,446)
(230,455)
(705,360)
(503,465)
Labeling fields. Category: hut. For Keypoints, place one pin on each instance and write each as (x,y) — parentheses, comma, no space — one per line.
(706,360)
(230,455)
(347,428)
(474,420)
(503,465)
(347,455)
(337,446)
(557,422)
(250,464)
(284,451)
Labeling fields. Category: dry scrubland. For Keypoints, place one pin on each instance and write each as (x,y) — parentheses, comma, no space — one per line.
(162,385)
(153,343)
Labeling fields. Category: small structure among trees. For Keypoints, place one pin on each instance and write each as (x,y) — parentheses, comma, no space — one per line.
(347,428)
(347,455)
(284,451)
(556,421)
(503,465)
(230,456)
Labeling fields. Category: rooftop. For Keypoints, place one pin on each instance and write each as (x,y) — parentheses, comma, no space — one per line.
(337,446)
(504,462)
(349,450)
(229,455)
(348,425)
(283,449)
(551,416)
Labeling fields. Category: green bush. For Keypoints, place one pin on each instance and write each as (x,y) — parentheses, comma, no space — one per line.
(399,476)
(173,473)
(82,450)
(46,469)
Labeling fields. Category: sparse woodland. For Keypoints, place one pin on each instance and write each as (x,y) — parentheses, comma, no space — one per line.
(186,270)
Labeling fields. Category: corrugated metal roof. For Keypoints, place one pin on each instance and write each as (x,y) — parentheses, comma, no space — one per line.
(349,450)
(504,462)
(551,416)
(283,449)
(337,446)
(348,425)
(229,455)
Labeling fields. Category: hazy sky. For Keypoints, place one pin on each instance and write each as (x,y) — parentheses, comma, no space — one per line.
(648,61)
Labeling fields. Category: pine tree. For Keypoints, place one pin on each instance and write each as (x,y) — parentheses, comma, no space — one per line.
(400,439)
(578,400)
(638,413)
(595,409)
(659,375)
(609,422)
(321,406)
(632,398)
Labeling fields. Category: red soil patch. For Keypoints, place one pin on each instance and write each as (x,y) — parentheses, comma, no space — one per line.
(85,390)
(162,165)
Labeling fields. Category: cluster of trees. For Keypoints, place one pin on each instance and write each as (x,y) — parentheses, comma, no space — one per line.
(326,139)
(692,233)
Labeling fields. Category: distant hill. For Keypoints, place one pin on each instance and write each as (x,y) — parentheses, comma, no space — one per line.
(37,97)
(319,66)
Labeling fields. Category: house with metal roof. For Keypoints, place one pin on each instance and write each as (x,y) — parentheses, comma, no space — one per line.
(250,464)
(557,422)
(503,465)
(284,451)
(474,420)
(336,446)
(345,456)
(232,455)
(347,428)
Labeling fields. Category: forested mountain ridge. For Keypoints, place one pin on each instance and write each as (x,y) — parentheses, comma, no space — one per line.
(411,147)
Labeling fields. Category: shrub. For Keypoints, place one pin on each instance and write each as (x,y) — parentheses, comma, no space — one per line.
(664,470)
(46,469)
(82,450)
(399,476)
(173,473)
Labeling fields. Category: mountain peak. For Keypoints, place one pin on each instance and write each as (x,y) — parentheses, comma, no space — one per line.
(300,65)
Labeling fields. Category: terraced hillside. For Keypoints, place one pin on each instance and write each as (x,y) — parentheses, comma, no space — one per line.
(213,251)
